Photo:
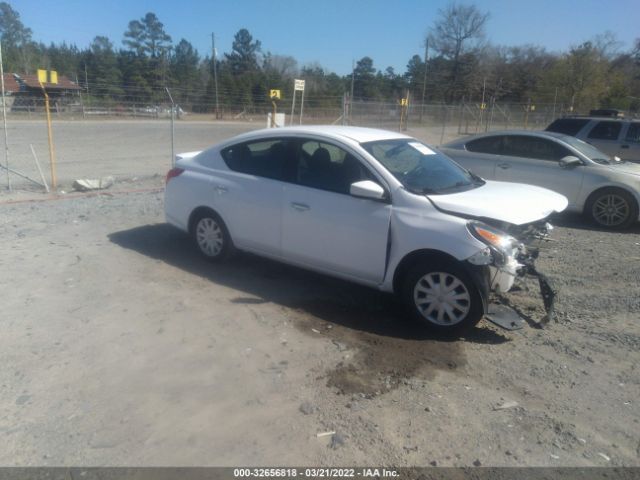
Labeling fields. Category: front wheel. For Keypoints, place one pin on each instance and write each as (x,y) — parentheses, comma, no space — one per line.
(612,208)
(442,297)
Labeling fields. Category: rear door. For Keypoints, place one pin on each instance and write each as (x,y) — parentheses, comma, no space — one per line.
(323,226)
(249,196)
(535,161)
(479,156)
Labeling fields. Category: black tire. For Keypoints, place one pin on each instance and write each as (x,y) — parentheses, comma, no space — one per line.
(464,312)
(211,236)
(612,208)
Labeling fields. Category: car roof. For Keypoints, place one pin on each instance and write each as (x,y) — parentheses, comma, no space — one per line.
(358,134)
(529,133)
(598,118)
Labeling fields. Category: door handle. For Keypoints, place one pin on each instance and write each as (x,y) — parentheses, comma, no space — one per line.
(504,166)
(301,207)
(220,189)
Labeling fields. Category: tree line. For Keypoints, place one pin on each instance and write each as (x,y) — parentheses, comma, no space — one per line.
(458,64)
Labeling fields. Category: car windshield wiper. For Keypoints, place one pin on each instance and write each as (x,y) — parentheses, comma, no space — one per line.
(422,191)
(476,179)
(455,185)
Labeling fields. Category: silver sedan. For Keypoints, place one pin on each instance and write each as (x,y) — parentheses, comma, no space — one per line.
(605,189)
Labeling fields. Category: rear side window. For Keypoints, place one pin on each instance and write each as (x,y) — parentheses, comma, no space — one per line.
(534,147)
(633,133)
(485,145)
(265,158)
(568,126)
(606,131)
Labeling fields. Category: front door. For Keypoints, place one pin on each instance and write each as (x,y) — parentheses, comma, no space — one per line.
(326,228)
(535,161)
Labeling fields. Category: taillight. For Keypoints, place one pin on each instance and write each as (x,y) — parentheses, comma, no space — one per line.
(174,172)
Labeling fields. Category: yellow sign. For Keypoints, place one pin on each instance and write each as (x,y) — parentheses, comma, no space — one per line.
(274,94)
(404,102)
(533,108)
(483,106)
(47,76)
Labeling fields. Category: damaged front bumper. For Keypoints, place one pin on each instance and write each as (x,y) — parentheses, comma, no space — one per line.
(518,260)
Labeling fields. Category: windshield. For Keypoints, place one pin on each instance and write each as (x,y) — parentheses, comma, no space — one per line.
(589,150)
(420,169)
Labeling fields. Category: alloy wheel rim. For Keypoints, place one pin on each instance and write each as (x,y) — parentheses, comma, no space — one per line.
(209,237)
(442,298)
(610,210)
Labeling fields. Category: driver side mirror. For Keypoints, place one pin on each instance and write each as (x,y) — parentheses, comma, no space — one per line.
(367,189)
(570,161)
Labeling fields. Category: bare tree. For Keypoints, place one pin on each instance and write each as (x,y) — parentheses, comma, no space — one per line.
(455,35)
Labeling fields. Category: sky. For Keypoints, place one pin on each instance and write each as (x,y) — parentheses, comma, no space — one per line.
(332,33)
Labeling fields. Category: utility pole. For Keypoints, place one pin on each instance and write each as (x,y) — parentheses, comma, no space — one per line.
(353,74)
(424,81)
(215,71)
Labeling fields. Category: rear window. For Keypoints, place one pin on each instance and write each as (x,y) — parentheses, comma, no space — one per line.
(264,158)
(606,131)
(485,145)
(633,133)
(568,126)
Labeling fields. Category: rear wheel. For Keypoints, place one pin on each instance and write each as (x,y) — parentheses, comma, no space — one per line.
(211,236)
(612,208)
(441,296)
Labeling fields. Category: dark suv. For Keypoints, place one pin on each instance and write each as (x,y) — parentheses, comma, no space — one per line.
(617,137)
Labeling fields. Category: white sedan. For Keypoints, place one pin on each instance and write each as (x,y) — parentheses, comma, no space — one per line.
(371,206)
(604,188)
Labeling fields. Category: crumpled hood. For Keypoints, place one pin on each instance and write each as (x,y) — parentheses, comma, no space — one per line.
(514,203)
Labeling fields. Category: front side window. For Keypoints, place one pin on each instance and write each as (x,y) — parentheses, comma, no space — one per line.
(420,169)
(327,167)
(533,147)
(606,131)
(264,158)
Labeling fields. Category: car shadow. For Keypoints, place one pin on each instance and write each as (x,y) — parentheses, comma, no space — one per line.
(260,280)
(579,222)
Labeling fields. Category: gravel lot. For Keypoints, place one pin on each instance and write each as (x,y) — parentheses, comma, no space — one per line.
(119,346)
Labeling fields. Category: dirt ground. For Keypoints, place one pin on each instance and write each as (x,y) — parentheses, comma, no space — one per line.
(120,346)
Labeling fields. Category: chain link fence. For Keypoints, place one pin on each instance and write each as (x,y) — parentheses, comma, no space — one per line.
(94,137)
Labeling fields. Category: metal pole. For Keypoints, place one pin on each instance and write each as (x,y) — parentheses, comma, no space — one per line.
(353,74)
(301,105)
(35,157)
(4,120)
(273,114)
(555,99)
(173,153)
(215,72)
(52,155)
(424,82)
(293,105)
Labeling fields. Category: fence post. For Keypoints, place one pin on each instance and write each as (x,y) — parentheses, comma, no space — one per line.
(444,122)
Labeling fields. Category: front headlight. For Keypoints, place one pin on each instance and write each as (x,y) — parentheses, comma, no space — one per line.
(501,244)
